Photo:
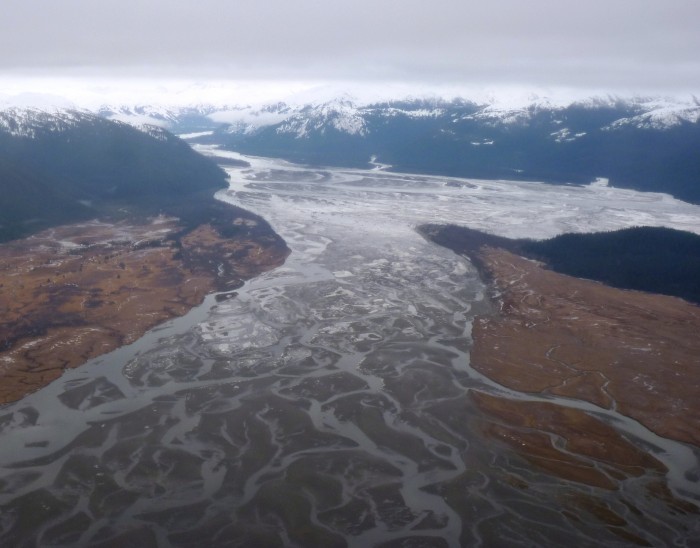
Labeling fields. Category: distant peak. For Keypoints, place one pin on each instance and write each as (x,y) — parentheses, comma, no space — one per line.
(28,122)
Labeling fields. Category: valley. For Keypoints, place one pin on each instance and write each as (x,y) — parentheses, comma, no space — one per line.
(356,275)
(646,144)
(353,396)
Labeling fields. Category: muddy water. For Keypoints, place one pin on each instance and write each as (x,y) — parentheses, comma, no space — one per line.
(327,403)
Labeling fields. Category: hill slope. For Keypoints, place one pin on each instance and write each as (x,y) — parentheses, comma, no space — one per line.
(71,165)
(656,260)
(644,144)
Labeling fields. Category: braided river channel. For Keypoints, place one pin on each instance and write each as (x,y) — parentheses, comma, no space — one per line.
(327,402)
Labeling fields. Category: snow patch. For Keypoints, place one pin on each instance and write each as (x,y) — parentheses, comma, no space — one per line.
(137,120)
(195,134)
(660,114)
(28,123)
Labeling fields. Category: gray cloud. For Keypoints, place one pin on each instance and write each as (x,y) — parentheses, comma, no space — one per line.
(599,44)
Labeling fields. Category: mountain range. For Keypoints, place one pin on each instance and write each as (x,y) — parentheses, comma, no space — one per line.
(650,144)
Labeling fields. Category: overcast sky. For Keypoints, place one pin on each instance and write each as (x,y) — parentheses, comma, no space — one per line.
(617,45)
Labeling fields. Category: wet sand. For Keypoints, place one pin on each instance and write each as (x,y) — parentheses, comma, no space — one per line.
(77,291)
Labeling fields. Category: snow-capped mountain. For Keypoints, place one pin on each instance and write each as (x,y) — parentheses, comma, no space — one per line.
(345,115)
(341,116)
(180,119)
(33,122)
(329,110)
(63,165)
(658,114)
(647,143)
(643,143)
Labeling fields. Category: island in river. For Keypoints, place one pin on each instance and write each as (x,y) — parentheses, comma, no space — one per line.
(76,291)
(555,335)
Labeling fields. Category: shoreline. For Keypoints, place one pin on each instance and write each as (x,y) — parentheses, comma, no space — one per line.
(78,291)
(618,349)
(630,353)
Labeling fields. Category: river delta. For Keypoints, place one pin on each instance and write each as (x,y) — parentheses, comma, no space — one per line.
(332,401)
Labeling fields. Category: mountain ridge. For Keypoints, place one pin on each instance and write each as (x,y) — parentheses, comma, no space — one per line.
(70,165)
(648,145)
(650,259)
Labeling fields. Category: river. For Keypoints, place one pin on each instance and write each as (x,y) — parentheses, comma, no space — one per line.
(327,402)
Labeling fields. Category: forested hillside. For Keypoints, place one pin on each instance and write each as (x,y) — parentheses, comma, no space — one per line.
(653,259)
(647,146)
(67,166)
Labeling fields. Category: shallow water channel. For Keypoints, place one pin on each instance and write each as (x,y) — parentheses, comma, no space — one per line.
(327,402)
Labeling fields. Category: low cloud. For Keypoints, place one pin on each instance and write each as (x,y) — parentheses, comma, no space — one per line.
(634,44)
